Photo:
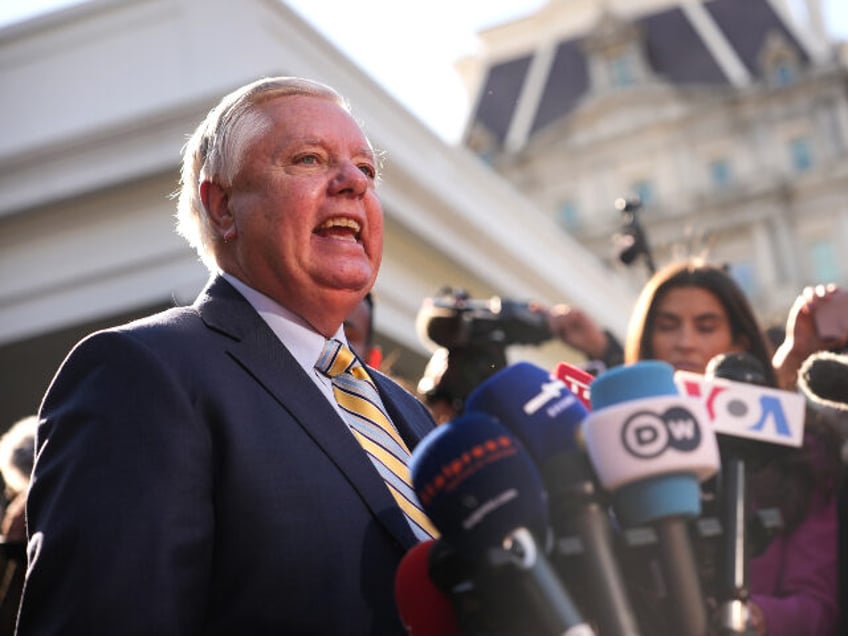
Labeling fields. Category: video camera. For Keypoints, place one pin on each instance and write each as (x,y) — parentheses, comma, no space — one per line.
(452,319)
(469,338)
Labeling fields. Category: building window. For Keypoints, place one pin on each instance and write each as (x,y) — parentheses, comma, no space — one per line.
(621,71)
(568,214)
(744,274)
(644,191)
(487,157)
(783,74)
(720,173)
(779,60)
(823,264)
(800,154)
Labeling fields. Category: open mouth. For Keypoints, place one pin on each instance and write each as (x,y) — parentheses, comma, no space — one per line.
(343,228)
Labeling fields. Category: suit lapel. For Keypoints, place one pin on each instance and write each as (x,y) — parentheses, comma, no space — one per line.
(255,347)
(412,426)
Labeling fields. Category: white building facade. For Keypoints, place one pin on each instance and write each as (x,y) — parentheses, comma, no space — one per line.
(97,102)
(727,118)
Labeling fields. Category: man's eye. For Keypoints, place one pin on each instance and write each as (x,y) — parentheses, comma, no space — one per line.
(368,171)
(308,159)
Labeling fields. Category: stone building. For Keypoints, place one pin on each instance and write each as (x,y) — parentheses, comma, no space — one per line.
(727,119)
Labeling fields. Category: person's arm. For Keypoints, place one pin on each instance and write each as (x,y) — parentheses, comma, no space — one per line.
(802,338)
(120,516)
(576,329)
(805,601)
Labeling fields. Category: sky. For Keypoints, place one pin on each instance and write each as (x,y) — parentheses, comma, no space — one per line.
(409,47)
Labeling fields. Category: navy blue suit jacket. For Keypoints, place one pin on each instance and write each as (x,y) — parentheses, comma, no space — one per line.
(192,479)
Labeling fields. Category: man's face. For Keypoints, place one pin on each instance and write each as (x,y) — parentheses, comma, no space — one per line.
(308,220)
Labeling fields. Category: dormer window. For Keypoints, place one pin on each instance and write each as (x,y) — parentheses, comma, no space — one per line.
(779,61)
(621,71)
(615,52)
(784,74)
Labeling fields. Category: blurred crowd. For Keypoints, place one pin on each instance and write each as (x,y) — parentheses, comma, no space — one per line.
(689,313)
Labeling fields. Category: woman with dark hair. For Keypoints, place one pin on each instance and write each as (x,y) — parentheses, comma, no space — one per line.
(688,313)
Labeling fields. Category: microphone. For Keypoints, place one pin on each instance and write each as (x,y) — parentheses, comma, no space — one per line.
(748,417)
(651,447)
(440,593)
(577,380)
(739,409)
(546,417)
(424,609)
(481,490)
(738,366)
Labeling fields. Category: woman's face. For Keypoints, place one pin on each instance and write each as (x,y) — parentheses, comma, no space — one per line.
(690,327)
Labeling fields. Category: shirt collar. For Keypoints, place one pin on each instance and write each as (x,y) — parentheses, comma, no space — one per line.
(302,341)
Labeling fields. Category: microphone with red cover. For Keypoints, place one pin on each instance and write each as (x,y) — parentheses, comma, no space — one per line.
(482,491)
(425,610)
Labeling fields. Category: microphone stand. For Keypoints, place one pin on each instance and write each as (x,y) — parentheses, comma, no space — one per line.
(580,511)
(633,240)
(733,612)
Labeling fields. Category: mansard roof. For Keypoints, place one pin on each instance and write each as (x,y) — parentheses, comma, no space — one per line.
(673,47)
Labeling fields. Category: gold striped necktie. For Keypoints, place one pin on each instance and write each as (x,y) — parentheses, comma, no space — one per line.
(357,396)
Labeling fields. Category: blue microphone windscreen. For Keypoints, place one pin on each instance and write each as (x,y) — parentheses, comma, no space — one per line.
(477,484)
(536,407)
(647,378)
(647,444)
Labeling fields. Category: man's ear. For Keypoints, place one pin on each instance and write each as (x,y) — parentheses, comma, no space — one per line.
(216,202)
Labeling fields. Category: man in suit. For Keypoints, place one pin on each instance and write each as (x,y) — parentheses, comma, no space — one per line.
(194,473)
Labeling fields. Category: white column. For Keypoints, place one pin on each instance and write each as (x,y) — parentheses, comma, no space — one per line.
(718,45)
(531,95)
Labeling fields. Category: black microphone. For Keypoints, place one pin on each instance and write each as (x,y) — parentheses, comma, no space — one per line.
(651,448)
(753,423)
(481,490)
(733,613)
(738,456)
(738,366)
(540,410)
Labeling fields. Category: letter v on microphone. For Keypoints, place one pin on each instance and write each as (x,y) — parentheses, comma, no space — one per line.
(747,410)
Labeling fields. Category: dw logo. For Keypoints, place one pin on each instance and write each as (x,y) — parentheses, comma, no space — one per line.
(647,434)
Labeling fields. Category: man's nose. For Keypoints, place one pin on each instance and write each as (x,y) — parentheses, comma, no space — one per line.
(349,179)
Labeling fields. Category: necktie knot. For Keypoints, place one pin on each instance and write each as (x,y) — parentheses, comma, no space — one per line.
(336,358)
